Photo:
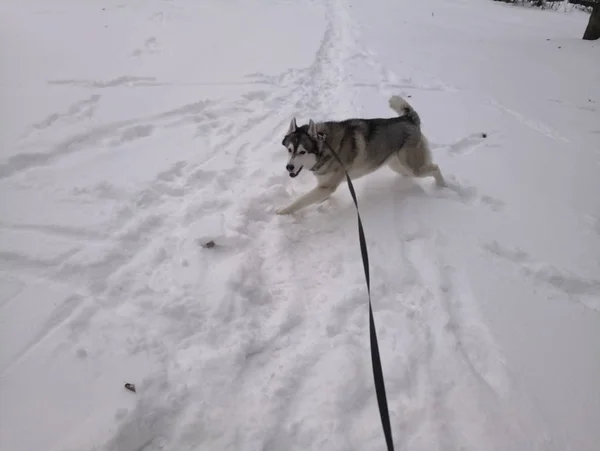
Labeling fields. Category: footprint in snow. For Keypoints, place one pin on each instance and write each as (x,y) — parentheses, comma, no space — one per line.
(584,290)
(467,144)
(468,195)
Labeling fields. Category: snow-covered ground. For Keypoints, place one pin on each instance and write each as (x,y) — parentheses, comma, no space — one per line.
(135,131)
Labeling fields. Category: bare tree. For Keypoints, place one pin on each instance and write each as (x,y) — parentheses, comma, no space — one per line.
(592,32)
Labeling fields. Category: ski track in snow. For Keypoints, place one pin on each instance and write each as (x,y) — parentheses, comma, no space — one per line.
(284,335)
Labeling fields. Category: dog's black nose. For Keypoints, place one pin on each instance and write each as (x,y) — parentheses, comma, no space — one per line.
(290,167)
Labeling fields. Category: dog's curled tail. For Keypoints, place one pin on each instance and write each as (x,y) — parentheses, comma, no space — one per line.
(403,108)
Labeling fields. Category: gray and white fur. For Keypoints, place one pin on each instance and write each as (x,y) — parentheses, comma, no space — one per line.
(363,145)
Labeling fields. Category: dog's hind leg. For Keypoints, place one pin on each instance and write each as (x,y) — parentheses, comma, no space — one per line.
(396,164)
(432,170)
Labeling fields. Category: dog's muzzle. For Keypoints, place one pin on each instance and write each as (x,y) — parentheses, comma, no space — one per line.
(290,168)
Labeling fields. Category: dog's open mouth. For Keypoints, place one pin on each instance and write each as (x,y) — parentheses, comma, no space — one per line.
(295,174)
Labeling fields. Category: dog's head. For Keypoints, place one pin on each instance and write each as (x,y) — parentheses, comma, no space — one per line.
(301,144)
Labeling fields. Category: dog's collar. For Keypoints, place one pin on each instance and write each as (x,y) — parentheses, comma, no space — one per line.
(322,157)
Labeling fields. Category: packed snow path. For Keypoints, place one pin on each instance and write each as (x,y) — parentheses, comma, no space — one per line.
(136,132)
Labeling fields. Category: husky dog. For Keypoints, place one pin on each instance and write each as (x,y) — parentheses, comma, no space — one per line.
(363,146)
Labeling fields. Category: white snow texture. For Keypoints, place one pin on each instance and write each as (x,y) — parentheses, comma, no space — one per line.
(135,132)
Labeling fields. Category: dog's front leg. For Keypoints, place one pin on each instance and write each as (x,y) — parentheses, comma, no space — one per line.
(314,196)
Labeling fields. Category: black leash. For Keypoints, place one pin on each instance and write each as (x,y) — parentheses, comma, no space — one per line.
(375,359)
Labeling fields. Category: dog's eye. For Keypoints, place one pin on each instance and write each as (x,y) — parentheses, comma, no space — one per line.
(302,152)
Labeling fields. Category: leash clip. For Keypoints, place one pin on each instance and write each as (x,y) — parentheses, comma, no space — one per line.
(321,136)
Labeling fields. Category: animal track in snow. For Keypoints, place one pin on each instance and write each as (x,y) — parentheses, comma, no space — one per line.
(528,122)
(468,194)
(101,190)
(75,143)
(464,145)
(9,288)
(467,144)
(117,254)
(585,107)
(133,133)
(58,230)
(115,82)
(113,134)
(59,316)
(387,80)
(150,46)
(494,204)
(583,290)
(596,225)
(79,110)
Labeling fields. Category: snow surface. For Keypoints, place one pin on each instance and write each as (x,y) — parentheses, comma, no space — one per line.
(133,132)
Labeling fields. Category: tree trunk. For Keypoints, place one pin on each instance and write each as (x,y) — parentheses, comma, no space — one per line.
(592,32)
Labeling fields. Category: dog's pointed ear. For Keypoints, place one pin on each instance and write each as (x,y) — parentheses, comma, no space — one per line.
(312,129)
(293,126)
